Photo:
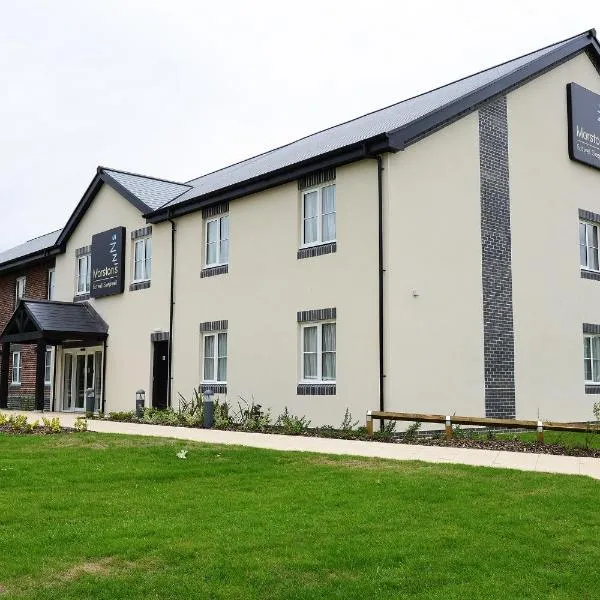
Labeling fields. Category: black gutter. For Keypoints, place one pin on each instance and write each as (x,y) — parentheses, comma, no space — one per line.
(171,313)
(29,259)
(337,158)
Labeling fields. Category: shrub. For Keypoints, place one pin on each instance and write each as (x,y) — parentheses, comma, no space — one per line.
(155,416)
(221,417)
(3,419)
(126,416)
(251,416)
(52,424)
(81,424)
(292,424)
(347,423)
(192,411)
(411,431)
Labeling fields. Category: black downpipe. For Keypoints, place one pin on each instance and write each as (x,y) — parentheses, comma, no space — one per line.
(171,312)
(381,272)
(104,348)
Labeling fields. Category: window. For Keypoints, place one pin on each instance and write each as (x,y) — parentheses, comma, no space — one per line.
(51,283)
(588,246)
(215,358)
(591,358)
(16,368)
(318,352)
(84,271)
(19,289)
(318,215)
(217,241)
(142,259)
(48,367)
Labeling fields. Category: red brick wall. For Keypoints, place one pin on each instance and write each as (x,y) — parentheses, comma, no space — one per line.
(36,288)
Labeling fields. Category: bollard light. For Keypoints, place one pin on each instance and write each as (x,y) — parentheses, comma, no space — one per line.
(208,409)
(140,401)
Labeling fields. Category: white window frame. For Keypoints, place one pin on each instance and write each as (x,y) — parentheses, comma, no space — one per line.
(17,366)
(146,261)
(218,262)
(215,357)
(48,366)
(51,283)
(319,241)
(319,378)
(20,286)
(87,283)
(591,358)
(589,247)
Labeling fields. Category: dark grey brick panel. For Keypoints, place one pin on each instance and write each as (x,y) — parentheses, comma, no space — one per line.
(140,285)
(592,389)
(220,388)
(591,328)
(316,178)
(585,274)
(316,389)
(81,297)
(212,271)
(213,211)
(318,314)
(214,325)
(81,251)
(159,336)
(498,332)
(317,250)
(587,215)
(136,234)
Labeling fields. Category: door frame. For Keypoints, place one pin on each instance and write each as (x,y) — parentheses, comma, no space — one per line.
(90,354)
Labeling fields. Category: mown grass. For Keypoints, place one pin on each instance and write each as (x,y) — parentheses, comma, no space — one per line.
(96,516)
(567,439)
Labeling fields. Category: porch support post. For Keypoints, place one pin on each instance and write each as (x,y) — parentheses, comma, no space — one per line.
(4,375)
(40,369)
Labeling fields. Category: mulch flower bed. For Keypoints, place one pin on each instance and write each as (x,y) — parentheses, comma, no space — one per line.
(42,430)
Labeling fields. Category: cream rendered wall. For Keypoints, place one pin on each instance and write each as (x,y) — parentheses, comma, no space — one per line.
(131,316)
(550,299)
(267,285)
(434,340)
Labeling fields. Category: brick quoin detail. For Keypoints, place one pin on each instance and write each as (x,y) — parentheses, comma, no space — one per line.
(36,288)
(498,331)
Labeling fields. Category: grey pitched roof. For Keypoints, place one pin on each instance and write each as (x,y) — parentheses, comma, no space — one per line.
(153,192)
(54,322)
(362,128)
(59,317)
(38,244)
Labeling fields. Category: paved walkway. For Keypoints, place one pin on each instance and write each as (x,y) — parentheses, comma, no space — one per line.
(547,463)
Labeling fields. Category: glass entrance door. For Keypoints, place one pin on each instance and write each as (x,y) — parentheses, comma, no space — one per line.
(81,372)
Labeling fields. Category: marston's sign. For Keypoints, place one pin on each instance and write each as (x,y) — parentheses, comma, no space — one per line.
(108,263)
(584,125)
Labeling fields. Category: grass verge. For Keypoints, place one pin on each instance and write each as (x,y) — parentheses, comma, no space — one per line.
(91,515)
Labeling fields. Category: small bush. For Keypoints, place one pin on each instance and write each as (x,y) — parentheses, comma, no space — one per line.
(81,424)
(191,411)
(52,424)
(3,419)
(292,424)
(127,416)
(347,423)
(221,417)
(251,416)
(411,431)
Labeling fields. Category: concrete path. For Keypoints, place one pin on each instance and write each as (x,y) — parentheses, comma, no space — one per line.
(570,465)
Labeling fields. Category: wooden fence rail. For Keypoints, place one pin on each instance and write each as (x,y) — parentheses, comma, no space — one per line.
(449,420)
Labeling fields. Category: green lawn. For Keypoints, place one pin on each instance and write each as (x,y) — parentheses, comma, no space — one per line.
(92,516)
(564,438)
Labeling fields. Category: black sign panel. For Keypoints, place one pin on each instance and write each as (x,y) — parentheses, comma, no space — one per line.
(584,125)
(108,263)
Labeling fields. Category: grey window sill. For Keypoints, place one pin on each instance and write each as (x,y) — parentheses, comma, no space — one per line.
(212,271)
(139,285)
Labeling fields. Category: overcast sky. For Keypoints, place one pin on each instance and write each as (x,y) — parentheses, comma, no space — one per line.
(175,89)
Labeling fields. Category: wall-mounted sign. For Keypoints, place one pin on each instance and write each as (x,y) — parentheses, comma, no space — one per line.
(108,263)
(584,125)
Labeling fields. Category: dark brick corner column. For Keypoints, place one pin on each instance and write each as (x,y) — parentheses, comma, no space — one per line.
(498,330)
(4,366)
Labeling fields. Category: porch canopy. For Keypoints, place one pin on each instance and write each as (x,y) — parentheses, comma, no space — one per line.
(44,323)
